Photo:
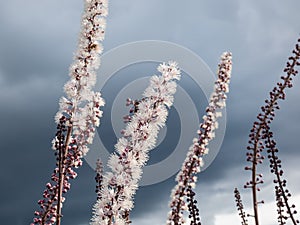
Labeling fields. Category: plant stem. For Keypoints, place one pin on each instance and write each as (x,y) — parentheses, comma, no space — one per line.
(62,157)
(279,180)
(265,119)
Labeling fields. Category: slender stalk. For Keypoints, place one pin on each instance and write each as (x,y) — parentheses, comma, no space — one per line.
(254,188)
(240,206)
(261,126)
(63,154)
(280,190)
(78,111)
(194,159)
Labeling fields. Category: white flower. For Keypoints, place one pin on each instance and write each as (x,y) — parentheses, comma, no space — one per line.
(90,137)
(54,141)
(139,137)
(194,159)
(168,100)
(100,21)
(57,116)
(136,173)
(121,144)
(218,114)
(84,149)
(70,88)
(126,204)
(119,221)
(64,104)
(114,163)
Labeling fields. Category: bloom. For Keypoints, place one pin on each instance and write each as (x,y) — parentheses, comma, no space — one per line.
(186,178)
(145,119)
(78,113)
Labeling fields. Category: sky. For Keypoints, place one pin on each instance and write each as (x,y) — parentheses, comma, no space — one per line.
(37,42)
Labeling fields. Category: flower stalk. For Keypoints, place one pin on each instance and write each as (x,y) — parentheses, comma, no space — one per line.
(259,133)
(144,121)
(281,192)
(240,206)
(78,113)
(194,160)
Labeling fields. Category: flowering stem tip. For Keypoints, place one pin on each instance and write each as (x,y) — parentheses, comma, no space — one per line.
(186,177)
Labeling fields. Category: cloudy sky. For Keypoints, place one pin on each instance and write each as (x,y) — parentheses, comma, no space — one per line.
(37,41)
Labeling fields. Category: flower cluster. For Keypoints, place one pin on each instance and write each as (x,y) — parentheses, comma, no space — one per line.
(194,160)
(281,192)
(240,206)
(194,214)
(78,113)
(260,135)
(145,119)
(82,104)
(68,158)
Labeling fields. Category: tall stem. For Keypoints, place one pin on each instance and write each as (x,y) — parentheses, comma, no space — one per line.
(261,127)
(62,156)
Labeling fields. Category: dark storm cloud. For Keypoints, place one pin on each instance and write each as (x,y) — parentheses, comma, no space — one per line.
(37,41)
(32,45)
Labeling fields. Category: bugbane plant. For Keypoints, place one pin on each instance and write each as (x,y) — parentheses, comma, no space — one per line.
(186,178)
(78,113)
(144,121)
(261,139)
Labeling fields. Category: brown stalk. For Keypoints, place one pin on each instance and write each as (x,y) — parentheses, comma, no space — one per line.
(62,157)
(260,128)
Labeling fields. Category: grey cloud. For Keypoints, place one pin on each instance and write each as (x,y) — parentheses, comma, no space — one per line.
(31,44)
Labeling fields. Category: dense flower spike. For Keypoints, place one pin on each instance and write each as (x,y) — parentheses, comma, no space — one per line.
(240,206)
(82,104)
(78,113)
(145,119)
(194,160)
(258,137)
